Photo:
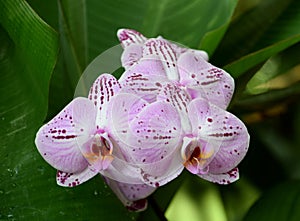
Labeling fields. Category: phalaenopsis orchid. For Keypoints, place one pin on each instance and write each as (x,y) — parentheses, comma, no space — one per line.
(167,112)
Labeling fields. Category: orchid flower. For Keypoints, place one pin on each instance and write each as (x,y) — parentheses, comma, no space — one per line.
(214,141)
(104,134)
(165,113)
(158,60)
(77,143)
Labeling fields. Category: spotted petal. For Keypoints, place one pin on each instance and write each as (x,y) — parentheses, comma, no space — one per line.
(153,142)
(222,178)
(121,110)
(223,133)
(133,196)
(101,92)
(74,179)
(59,140)
(146,66)
(178,98)
(155,131)
(147,86)
(205,80)
(180,49)
(161,50)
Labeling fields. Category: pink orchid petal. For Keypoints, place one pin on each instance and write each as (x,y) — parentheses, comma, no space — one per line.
(131,55)
(121,110)
(153,141)
(154,174)
(163,171)
(128,37)
(148,67)
(68,179)
(223,133)
(122,171)
(205,80)
(178,98)
(223,178)
(153,133)
(159,49)
(200,53)
(59,140)
(142,84)
(133,196)
(101,92)
(180,49)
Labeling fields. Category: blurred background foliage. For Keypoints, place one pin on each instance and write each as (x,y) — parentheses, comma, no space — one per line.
(46,45)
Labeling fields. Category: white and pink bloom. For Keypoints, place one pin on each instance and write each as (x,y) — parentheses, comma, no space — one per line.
(165,113)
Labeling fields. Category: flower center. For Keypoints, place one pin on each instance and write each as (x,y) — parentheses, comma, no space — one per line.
(197,160)
(99,154)
(100,146)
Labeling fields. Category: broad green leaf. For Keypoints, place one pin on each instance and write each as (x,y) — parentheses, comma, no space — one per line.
(267,99)
(196,200)
(28,55)
(162,198)
(244,32)
(200,200)
(73,38)
(188,22)
(28,189)
(71,25)
(283,33)
(280,203)
(280,71)
(238,198)
(197,23)
(237,68)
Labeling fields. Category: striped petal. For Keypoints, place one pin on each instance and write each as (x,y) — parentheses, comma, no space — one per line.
(103,89)
(128,37)
(161,50)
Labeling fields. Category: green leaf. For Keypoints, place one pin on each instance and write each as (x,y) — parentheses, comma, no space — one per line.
(73,59)
(278,72)
(237,68)
(186,22)
(28,54)
(281,34)
(280,203)
(73,37)
(197,23)
(244,32)
(28,190)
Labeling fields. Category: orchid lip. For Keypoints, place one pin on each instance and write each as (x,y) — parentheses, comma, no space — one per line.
(196,159)
(100,151)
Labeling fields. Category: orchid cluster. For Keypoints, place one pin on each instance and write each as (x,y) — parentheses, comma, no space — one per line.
(167,112)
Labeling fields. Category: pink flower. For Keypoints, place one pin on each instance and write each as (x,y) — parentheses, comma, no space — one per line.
(166,113)
(214,140)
